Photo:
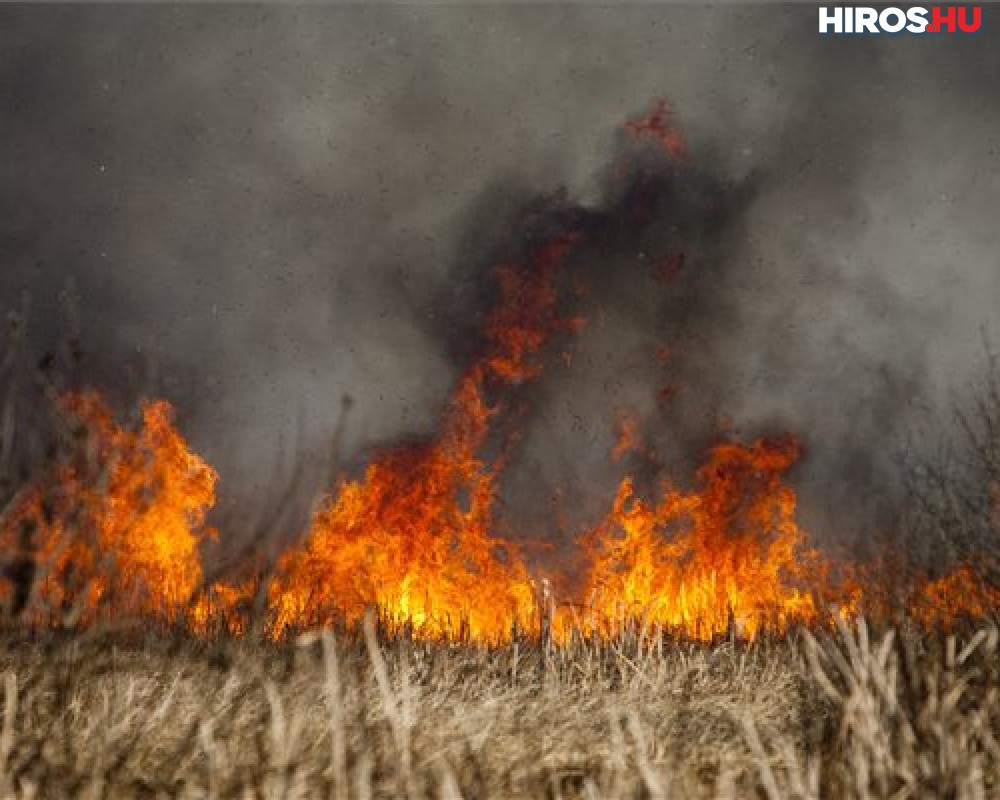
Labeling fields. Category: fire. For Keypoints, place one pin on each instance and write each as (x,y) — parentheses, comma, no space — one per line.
(658,124)
(959,595)
(120,525)
(727,554)
(114,528)
(223,608)
(413,537)
(117,533)
(405,540)
(627,434)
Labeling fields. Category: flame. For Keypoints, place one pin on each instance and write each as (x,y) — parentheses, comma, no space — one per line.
(121,524)
(117,533)
(727,554)
(223,607)
(402,540)
(627,434)
(659,126)
(962,594)
(412,538)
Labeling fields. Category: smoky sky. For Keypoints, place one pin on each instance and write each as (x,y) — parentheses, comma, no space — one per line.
(256,211)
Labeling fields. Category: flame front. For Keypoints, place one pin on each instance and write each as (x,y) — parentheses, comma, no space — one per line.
(117,534)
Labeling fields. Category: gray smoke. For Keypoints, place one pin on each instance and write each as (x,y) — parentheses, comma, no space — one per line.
(257,211)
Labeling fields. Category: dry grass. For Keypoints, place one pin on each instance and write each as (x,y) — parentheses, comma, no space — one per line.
(358,715)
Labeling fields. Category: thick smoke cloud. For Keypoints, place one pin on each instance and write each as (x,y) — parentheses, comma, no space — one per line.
(261,210)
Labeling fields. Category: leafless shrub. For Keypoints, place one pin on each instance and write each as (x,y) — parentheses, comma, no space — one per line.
(952,500)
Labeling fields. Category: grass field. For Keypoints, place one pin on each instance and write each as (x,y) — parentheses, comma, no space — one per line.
(851,713)
(144,711)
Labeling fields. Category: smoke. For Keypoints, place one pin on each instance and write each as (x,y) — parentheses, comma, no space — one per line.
(258,211)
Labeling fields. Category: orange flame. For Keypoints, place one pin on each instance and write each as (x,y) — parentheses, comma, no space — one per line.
(627,434)
(959,595)
(658,125)
(122,524)
(412,538)
(119,534)
(728,554)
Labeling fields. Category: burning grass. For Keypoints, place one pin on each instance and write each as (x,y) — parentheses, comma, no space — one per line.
(110,532)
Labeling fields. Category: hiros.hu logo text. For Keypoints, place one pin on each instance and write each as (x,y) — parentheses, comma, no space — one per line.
(937,19)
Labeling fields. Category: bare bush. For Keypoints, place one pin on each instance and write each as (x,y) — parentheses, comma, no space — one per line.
(952,499)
